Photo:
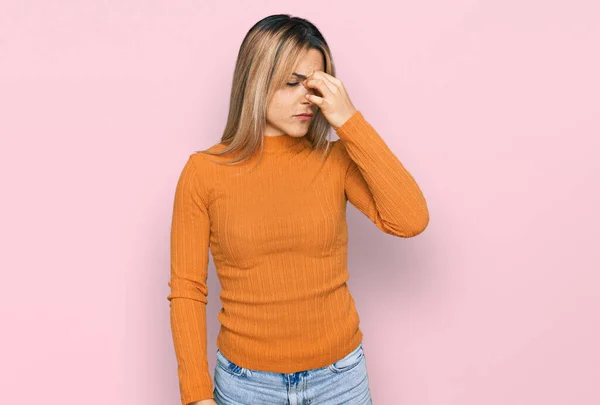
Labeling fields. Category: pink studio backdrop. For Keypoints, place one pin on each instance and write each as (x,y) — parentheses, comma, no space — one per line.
(492,106)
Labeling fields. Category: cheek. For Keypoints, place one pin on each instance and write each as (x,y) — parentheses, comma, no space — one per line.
(283,105)
(274,113)
(280,109)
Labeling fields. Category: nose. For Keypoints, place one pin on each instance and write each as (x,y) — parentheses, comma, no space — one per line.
(309,90)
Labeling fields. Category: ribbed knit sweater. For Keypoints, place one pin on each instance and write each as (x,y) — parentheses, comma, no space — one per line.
(278,237)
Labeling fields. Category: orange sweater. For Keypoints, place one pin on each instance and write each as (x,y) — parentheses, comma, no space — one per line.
(278,236)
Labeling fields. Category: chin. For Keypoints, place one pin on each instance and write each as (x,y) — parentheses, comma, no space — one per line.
(295,133)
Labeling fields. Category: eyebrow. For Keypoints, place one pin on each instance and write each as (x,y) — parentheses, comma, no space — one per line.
(299,75)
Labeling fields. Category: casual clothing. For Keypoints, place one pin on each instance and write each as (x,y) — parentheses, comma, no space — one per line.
(278,237)
(342,382)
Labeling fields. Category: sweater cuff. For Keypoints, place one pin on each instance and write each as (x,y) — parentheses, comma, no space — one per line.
(202,389)
(355,123)
(197,394)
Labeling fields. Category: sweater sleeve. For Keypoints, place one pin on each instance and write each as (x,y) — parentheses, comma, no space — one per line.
(190,230)
(377,183)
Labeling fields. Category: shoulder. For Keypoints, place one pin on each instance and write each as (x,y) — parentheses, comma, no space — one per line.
(337,156)
(339,151)
(199,163)
(204,160)
(198,175)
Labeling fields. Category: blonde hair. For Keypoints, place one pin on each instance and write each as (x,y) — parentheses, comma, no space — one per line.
(267,56)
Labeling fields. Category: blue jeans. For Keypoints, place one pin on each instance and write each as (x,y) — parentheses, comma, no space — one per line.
(342,382)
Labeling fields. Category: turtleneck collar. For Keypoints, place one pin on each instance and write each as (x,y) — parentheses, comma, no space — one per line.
(282,142)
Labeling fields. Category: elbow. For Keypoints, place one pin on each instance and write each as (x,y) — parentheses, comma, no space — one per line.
(190,290)
(422,220)
(418,221)
(413,221)
(408,227)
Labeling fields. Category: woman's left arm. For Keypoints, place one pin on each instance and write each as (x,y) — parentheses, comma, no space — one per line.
(376,182)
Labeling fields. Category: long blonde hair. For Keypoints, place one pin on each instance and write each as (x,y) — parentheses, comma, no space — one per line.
(268,54)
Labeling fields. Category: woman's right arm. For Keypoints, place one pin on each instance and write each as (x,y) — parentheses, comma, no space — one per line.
(190,231)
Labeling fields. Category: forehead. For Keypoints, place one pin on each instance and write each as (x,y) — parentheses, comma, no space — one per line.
(309,62)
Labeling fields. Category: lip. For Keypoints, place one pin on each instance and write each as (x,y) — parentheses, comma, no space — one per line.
(303,117)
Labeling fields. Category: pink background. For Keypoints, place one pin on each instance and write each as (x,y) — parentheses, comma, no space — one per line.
(493,106)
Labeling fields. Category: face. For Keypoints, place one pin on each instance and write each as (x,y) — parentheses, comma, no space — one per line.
(290,100)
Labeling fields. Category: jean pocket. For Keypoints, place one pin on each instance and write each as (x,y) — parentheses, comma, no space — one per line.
(348,362)
(228,366)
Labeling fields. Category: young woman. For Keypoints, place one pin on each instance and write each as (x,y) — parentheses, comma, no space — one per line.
(269,201)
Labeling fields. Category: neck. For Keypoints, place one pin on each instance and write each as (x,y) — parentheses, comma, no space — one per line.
(282,142)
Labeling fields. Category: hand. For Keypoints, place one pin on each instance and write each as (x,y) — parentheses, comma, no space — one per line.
(334,102)
(204,402)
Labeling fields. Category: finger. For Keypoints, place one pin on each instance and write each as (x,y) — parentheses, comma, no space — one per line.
(319,74)
(335,85)
(320,85)
(334,80)
(315,99)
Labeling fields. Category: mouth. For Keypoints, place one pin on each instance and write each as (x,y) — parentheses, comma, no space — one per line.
(304,116)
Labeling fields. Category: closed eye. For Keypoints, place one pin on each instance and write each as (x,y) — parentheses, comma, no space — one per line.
(293,84)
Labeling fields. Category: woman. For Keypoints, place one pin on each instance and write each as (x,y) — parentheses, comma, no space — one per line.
(270,202)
